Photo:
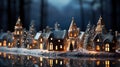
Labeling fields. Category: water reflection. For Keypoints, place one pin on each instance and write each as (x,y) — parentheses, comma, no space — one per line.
(11,60)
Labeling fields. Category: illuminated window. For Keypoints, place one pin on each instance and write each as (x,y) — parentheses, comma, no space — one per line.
(98,63)
(107,47)
(56,47)
(41,39)
(58,40)
(41,46)
(4,43)
(30,47)
(60,62)
(0,44)
(41,59)
(51,38)
(107,63)
(40,64)
(9,44)
(60,46)
(75,35)
(9,57)
(98,40)
(70,34)
(51,46)
(51,62)
(98,48)
(17,32)
(56,61)
(4,55)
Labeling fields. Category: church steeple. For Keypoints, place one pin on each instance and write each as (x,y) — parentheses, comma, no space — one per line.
(18,22)
(73,25)
(100,26)
(73,30)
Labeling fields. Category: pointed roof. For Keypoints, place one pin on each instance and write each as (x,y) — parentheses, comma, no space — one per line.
(89,24)
(100,21)
(72,25)
(18,21)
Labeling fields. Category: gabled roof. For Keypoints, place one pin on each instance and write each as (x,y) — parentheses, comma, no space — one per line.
(104,37)
(46,35)
(59,34)
(37,36)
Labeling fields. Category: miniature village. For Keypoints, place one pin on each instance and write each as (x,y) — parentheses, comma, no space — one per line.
(95,38)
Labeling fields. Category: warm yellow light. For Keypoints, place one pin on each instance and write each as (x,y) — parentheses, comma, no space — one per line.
(41,59)
(4,43)
(17,32)
(41,64)
(107,63)
(56,47)
(41,46)
(60,46)
(9,57)
(9,44)
(70,34)
(0,53)
(51,38)
(107,47)
(60,62)
(51,62)
(75,35)
(98,40)
(56,61)
(30,47)
(58,40)
(73,42)
(4,55)
(98,48)
(0,44)
(51,46)
(41,40)
(98,62)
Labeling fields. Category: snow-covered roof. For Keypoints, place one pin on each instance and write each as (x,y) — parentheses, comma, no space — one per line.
(81,34)
(104,37)
(59,34)
(46,35)
(37,36)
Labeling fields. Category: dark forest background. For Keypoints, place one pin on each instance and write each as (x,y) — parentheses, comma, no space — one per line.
(47,12)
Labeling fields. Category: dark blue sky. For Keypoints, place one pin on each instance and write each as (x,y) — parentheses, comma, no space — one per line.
(47,12)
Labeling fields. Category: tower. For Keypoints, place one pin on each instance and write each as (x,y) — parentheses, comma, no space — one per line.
(73,34)
(18,32)
(100,28)
(18,28)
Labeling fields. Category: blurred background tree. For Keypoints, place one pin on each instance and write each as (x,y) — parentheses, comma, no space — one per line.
(47,12)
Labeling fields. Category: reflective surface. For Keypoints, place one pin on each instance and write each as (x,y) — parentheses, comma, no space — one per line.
(11,60)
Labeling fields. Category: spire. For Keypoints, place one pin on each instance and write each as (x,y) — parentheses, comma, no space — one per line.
(72,25)
(100,26)
(18,21)
(100,21)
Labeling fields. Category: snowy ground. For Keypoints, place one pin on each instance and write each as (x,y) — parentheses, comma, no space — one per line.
(38,52)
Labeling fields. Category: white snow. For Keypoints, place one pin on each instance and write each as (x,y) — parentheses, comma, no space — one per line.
(38,52)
